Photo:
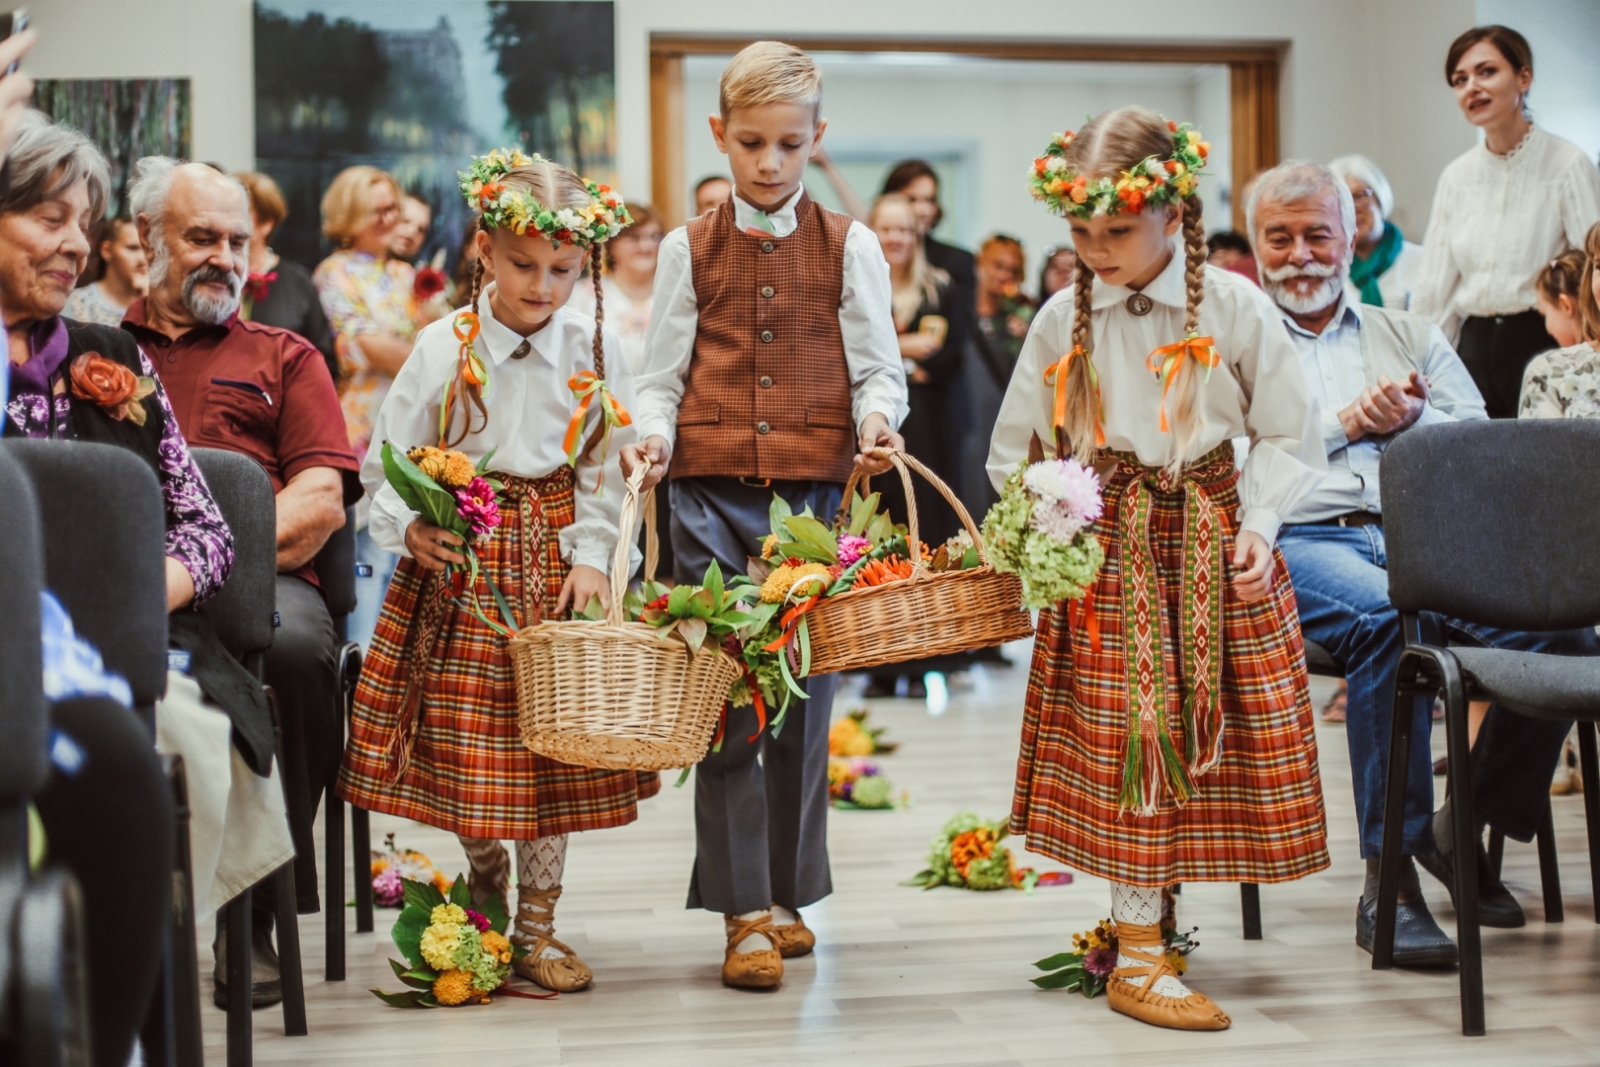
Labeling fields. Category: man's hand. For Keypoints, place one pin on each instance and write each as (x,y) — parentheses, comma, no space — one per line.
(653,451)
(1385,408)
(583,583)
(1252,557)
(875,433)
(431,546)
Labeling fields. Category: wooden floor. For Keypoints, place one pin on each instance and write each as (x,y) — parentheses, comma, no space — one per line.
(941,977)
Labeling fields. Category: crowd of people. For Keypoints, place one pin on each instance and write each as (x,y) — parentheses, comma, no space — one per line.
(1325,334)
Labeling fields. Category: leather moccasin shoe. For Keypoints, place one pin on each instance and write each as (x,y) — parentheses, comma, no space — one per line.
(266,984)
(1418,941)
(1496,906)
(792,939)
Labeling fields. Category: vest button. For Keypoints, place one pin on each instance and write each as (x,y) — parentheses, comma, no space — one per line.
(767,291)
(766,337)
(767,246)
(762,427)
(766,381)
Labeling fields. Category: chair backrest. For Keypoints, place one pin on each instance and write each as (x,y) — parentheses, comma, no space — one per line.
(103,525)
(241,612)
(336,567)
(1496,522)
(24,715)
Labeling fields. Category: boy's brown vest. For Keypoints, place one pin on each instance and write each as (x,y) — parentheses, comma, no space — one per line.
(768,393)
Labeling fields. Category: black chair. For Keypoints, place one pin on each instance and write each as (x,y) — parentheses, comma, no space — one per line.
(242,613)
(1530,565)
(336,573)
(45,1019)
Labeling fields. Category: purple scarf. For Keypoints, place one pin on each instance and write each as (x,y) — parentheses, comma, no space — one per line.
(48,344)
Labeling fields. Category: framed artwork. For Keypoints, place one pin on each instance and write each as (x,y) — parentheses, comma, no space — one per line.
(128,118)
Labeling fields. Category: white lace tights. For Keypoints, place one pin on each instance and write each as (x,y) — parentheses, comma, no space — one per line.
(1142,905)
(539,866)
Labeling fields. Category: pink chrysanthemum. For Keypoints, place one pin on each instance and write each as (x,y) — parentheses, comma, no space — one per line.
(387,890)
(852,547)
(1067,483)
(1100,962)
(476,504)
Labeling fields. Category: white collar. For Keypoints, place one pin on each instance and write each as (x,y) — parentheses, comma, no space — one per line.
(1348,309)
(783,219)
(500,340)
(1167,288)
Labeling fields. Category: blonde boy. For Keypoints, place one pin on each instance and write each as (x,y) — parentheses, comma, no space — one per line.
(771,359)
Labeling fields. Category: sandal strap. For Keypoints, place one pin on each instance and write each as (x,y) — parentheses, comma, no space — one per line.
(761,924)
(539,901)
(1150,950)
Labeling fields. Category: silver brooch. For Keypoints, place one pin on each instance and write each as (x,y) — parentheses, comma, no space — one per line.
(1139,304)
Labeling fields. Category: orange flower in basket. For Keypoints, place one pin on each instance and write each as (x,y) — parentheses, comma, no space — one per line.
(111,386)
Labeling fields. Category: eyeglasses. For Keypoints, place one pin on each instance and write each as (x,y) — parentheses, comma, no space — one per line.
(1365,194)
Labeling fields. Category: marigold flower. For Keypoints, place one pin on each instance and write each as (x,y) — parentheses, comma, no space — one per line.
(440,942)
(452,988)
(777,584)
(430,459)
(769,546)
(809,580)
(497,946)
(458,471)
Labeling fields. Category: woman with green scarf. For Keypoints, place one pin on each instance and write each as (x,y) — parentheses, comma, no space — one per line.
(1385,266)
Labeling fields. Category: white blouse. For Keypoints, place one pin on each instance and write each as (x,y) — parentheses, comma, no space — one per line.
(1497,220)
(1257,390)
(529,407)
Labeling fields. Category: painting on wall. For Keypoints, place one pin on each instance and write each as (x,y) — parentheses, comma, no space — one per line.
(127,118)
(415,88)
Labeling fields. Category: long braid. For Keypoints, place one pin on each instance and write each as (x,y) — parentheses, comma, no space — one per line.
(1083,398)
(598,258)
(469,391)
(1186,389)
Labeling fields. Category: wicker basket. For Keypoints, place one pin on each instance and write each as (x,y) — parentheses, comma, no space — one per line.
(613,694)
(928,614)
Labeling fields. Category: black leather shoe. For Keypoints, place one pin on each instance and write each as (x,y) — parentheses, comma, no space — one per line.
(1418,941)
(1496,906)
(266,984)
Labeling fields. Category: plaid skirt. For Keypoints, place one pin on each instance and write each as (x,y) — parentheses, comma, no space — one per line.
(434,736)
(1246,805)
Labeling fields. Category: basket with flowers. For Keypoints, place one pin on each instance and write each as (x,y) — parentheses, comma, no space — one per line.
(968,854)
(644,687)
(1040,530)
(453,954)
(865,592)
(1087,968)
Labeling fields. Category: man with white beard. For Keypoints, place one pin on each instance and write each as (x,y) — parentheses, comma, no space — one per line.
(264,392)
(1378,372)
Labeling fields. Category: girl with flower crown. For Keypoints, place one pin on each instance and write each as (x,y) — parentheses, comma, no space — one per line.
(1168,734)
(518,374)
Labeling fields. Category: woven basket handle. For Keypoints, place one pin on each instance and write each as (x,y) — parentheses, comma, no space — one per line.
(902,461)
(626,532)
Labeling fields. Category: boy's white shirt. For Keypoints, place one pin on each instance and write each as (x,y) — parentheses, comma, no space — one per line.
(866,323)
(529,406)
(1257,391)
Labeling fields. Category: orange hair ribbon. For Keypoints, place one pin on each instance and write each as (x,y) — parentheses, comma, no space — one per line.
(470,369)
(1165,361)
(588,387)
(1056,375)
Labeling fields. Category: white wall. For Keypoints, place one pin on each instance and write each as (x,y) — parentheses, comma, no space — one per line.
(1358,76)
(1566,85)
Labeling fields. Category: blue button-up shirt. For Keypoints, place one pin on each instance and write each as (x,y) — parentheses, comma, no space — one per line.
(1336,373)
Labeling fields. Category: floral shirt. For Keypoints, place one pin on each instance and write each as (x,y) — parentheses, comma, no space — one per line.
(197,535)
(1564,384)
(363,295)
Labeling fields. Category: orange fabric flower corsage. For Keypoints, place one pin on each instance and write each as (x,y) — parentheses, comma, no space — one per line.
(115,388)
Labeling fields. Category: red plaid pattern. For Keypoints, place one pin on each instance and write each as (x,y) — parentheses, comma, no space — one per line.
(1258,814)
(467,770)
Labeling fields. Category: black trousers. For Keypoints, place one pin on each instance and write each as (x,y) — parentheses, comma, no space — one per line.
(109,821)
(301,669)
(1496,349)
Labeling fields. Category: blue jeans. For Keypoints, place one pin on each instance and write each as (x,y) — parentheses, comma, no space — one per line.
(371,588)
(1342,587)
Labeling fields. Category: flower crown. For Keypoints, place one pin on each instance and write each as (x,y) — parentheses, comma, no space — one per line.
(1151,181)
(601,219)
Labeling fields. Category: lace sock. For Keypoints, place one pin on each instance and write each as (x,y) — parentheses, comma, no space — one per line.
(539,866)
(490,865)
(751,942)
(1142,905)
(782,916)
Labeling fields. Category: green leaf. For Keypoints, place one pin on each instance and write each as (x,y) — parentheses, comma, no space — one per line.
(880,529)
(921,879)
(494,909)
(435,502)
(396,476)
(970,559)
(460,895)
(809,531)
(713,583)
(678,602)
(702,605)
(757,570)
(1059,960)
(408,940)
(483,464)
(415,977)
(424,895)
(778,513)
(594,611)
(693,632)
(807,551)
(861,512)
(1068,979)
(405,1000)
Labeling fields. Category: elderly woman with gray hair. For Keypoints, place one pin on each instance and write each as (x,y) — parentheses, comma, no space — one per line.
(1385,266)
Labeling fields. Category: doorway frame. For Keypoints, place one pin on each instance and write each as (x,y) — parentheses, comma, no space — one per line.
(1253,73)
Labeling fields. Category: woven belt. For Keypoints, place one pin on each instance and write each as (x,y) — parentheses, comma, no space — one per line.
(1152,767)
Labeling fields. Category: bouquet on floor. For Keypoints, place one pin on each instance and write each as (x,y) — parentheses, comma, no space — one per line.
(804,560)
(856,784)
(455,494)
(453,955)
(1040,530)
(393,867)
(968,854)
(1087,968)
(851,736)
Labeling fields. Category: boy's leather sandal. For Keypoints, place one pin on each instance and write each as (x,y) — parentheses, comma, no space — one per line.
(761,969)
(793,939)
(1193,1012)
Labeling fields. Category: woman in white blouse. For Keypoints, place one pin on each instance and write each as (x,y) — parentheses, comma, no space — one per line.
(1502,210)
